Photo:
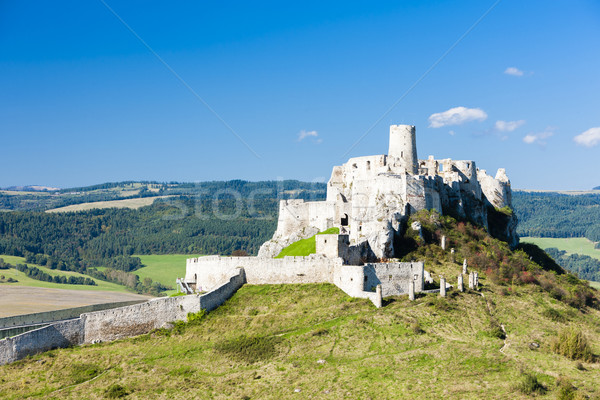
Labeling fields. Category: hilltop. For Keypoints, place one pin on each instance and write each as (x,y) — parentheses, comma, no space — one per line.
(279,341)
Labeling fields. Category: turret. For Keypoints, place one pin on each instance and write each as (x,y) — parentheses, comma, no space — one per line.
(403,145)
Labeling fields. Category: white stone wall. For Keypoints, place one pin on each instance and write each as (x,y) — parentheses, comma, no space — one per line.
(210,271)
(394,278)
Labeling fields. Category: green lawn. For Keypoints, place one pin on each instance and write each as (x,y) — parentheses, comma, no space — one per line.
(163,268)
(570,245)
(313,341)
(305,247)
(24,280)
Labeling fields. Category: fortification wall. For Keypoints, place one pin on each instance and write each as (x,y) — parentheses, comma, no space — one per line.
(394,278)
(59,315)
(210,271)
(142,318)
(117,323)
(62,334)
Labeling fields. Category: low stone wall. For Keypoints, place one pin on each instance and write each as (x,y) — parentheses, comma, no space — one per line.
(59,315)
(211,271)
(62,334)
(116,323)
(394,278)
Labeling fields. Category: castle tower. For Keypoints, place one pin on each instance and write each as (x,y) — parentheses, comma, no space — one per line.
(403,145)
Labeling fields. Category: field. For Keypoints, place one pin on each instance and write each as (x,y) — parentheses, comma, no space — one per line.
(313,341)
(17,300)
(127,203)
(163,268)
(24,280)
(570,245)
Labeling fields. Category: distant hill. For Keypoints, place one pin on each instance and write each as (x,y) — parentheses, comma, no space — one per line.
(32,188)
(596,188)
(558,215)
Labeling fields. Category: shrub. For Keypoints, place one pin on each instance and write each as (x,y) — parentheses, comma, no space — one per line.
(554,315)
(250,349)
(415,327)
(83,372)
(116,391)
(572,344)
(566,391)
(320,332)
(530,385)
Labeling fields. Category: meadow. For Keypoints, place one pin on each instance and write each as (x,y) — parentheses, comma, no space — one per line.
(24,280)
(570,245)
(163,268)
(125,203)
(313,341)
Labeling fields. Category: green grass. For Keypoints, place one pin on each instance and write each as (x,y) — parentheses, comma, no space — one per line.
(570,245)
(268,341)
(164,268)
(305,247)
(24,280)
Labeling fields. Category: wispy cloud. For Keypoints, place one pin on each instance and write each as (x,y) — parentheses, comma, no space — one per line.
(589,138)
(508,126)
(539,138)
(456,116)
(513,71)
(309,134)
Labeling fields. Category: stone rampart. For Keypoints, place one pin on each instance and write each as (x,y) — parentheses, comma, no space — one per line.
(211,271)
(59,315)
(62,334)
(394,278)
(116,323)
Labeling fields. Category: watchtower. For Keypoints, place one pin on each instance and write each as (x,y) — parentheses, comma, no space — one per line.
(403,145)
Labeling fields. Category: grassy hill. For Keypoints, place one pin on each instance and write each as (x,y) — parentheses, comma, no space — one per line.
(532,329)
(570,245)
(303,341)
(164,268)
(24,280)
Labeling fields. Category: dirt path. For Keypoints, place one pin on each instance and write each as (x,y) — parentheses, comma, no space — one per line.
(19,300)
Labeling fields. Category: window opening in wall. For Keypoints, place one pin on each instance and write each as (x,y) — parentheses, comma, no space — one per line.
(344,221)
(368,165)
(441,167)
(354,166)
(366,279)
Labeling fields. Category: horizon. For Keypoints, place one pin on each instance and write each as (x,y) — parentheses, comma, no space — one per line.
(109,91)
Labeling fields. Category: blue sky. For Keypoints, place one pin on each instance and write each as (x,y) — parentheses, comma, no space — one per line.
(84,101)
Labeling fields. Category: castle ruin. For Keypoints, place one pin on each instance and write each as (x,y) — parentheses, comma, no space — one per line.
(370,199)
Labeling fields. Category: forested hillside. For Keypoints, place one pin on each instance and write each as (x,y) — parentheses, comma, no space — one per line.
(558,215)
(204,218)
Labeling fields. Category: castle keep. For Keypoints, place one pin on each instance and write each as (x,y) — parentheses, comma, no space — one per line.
(369,199)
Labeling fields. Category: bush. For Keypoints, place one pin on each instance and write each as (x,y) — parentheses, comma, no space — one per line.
(250,349)
(116,391)
(554,315)
(572,344)
(566,391)
(530,385)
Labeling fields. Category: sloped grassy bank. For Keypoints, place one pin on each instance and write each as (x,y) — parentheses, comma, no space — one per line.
(303,341)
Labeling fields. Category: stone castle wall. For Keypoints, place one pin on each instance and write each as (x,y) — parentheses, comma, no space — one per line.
(117,323)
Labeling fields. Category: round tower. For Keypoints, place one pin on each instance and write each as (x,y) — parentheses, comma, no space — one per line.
(403,145)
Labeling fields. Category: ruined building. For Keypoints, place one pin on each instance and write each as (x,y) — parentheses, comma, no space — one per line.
(370,198)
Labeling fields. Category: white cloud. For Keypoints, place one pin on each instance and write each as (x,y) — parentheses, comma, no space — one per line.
(513,71)
(456,116)
(589,138)
(304,134)
(452,133)
(539,138)
(508,126)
